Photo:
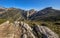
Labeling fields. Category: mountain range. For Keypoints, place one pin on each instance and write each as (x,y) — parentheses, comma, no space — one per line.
(19,23)
(46,14)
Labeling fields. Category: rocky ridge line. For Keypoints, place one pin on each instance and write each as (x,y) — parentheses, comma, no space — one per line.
(23,30)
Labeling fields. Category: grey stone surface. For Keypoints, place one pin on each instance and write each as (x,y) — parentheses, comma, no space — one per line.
(23,30)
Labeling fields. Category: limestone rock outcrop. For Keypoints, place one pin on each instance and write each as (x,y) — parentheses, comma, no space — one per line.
(46,32)
(23,30)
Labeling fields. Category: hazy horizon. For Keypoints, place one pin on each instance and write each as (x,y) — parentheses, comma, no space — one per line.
(30,4)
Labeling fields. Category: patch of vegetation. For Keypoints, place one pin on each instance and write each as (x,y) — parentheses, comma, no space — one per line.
(2,20)
(54,28)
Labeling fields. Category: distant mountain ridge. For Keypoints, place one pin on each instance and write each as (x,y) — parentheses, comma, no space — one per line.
(45,14)
(13,13)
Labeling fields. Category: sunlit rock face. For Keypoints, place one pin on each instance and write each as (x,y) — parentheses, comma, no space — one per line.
(23,30)
(9,30)
(27,31)
(46,32)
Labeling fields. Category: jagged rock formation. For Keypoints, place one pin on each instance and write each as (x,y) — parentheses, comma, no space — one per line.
(46,32)
(9,30)
(23,30)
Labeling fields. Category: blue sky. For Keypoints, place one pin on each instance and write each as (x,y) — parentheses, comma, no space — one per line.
(30,4)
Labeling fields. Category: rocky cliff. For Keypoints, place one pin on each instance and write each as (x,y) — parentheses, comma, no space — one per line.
(23,30)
